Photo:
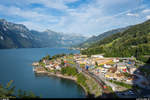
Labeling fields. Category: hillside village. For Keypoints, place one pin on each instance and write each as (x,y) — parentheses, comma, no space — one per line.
(110,70)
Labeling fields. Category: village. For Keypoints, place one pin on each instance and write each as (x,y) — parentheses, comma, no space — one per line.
(120,73)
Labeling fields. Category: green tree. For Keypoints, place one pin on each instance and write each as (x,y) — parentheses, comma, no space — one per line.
(81,79)
(62,62)
(47,57)
(63,70)
(96,63)
(8,92)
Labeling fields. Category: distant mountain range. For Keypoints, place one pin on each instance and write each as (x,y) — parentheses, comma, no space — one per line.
(95,39)
(19,36)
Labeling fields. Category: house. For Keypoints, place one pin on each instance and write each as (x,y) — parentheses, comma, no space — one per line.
(97,56)
(109,75)
(76,56)
(103,61)
(115,60)
(91,67)
(122,67)
(112,69)
(107,66)
(83,61)
(45,61)
(130,80)
(58,67)
(132,70)
(50,62)
(83,56)
(51,68)
(92,62)
(103,70)
(120,76)
(47,66)
(65,61)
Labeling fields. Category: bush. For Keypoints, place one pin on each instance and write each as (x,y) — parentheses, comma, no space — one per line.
(81,79)
(69,71)
(122,84)
(9,92)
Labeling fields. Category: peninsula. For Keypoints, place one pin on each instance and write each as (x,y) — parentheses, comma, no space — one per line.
(97,75)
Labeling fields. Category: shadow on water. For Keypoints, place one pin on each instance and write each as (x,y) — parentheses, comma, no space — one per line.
(62,80)
(65,82)
(138,90)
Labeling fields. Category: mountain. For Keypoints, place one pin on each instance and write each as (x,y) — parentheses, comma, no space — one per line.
(50,38)
(94,39)
(19,36)
(135,41)
(15,36)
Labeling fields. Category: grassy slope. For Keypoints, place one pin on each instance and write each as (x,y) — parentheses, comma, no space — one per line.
(135,41)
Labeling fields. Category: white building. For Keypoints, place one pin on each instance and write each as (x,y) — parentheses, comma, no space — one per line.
(132,70)
(97,56)
(48,66)
(107,66)
(115,60)
(58,67)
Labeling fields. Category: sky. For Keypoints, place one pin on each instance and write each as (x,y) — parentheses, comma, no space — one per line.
(87,17)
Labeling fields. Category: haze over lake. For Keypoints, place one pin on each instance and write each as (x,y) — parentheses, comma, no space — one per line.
(15,64)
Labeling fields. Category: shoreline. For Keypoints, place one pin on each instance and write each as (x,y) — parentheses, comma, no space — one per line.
(67,77)
(71,78)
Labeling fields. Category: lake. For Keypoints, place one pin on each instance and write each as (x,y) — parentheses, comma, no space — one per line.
(16,65)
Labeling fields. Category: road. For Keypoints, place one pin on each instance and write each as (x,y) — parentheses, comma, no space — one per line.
(96,78)
(102,81)
(117,89)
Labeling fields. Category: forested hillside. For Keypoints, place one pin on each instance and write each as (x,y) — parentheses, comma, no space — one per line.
(134,41)
(94,39)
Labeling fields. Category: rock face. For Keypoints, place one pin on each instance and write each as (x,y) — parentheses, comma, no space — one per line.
(19,36)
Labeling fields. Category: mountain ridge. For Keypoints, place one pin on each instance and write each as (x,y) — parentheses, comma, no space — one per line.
(135,41)
(101,36)
(19,36)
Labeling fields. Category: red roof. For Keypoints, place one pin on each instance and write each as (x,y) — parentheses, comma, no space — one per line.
(125,70)
(65,61)
(105,86)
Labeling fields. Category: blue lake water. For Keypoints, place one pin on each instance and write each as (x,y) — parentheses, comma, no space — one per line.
(15,64)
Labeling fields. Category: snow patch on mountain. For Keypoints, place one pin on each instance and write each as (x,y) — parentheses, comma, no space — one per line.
(24,36)
(1,37)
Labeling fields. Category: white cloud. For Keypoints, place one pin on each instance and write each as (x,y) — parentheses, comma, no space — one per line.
(70,1)
(27,14)
(33,25)
(146,11)
(56,4)
(89,17)
(148,17)
(132,14)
